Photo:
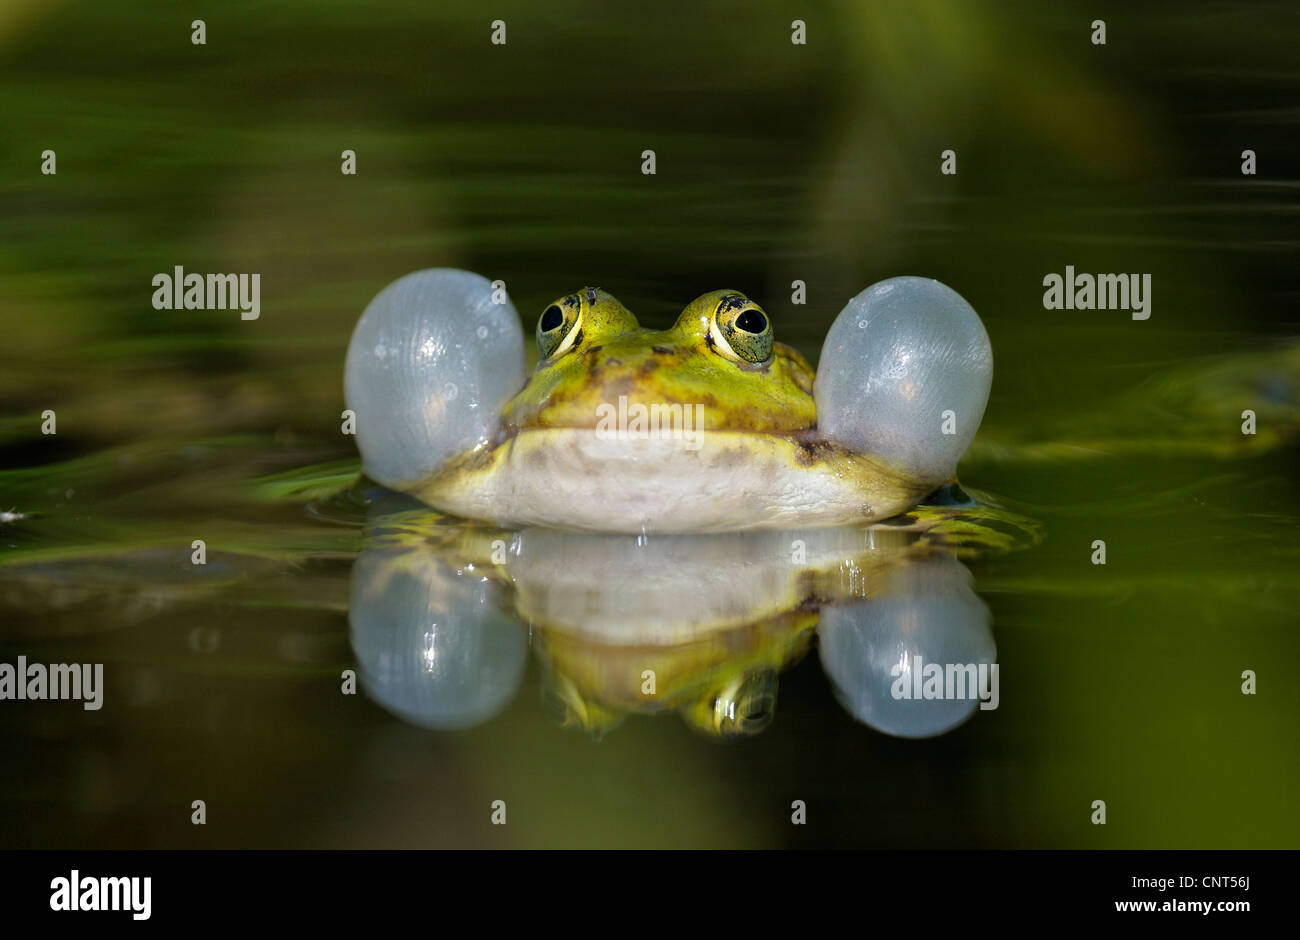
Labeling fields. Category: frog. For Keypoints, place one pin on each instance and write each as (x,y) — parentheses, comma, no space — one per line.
(710,425)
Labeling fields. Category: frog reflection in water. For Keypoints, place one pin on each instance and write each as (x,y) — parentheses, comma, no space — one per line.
(443,615)
(435,376)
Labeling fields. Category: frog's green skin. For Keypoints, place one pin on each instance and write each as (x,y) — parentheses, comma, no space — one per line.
(756,463)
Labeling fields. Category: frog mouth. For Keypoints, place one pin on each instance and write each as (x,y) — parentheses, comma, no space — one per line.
(635,420)
(810,445)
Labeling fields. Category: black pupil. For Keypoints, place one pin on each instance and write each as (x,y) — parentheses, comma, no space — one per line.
(552,317)
(752,321)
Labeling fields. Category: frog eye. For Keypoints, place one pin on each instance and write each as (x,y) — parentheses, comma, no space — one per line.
(743,706)
(741,330)
(559,326)
(747,708)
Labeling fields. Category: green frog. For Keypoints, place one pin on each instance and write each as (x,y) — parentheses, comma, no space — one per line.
(709,426)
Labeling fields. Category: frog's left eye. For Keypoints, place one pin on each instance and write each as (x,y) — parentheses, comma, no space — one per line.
(559,326)
(741,330)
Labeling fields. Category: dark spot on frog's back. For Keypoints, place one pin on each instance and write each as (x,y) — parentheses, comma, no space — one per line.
(807,591)
(811,451)
(663,350)
(598,367)
(647,368)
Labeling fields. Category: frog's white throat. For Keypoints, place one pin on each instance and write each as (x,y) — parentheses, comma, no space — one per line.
(716,481)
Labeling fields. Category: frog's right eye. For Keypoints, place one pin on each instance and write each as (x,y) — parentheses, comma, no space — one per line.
(741,331)
(559,327)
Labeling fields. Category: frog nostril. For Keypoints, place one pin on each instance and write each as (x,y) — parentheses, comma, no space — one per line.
(552,317)
(752,321)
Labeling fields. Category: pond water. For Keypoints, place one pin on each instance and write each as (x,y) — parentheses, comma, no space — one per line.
(496,665)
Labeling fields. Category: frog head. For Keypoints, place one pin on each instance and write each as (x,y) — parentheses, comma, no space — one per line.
(719,359)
